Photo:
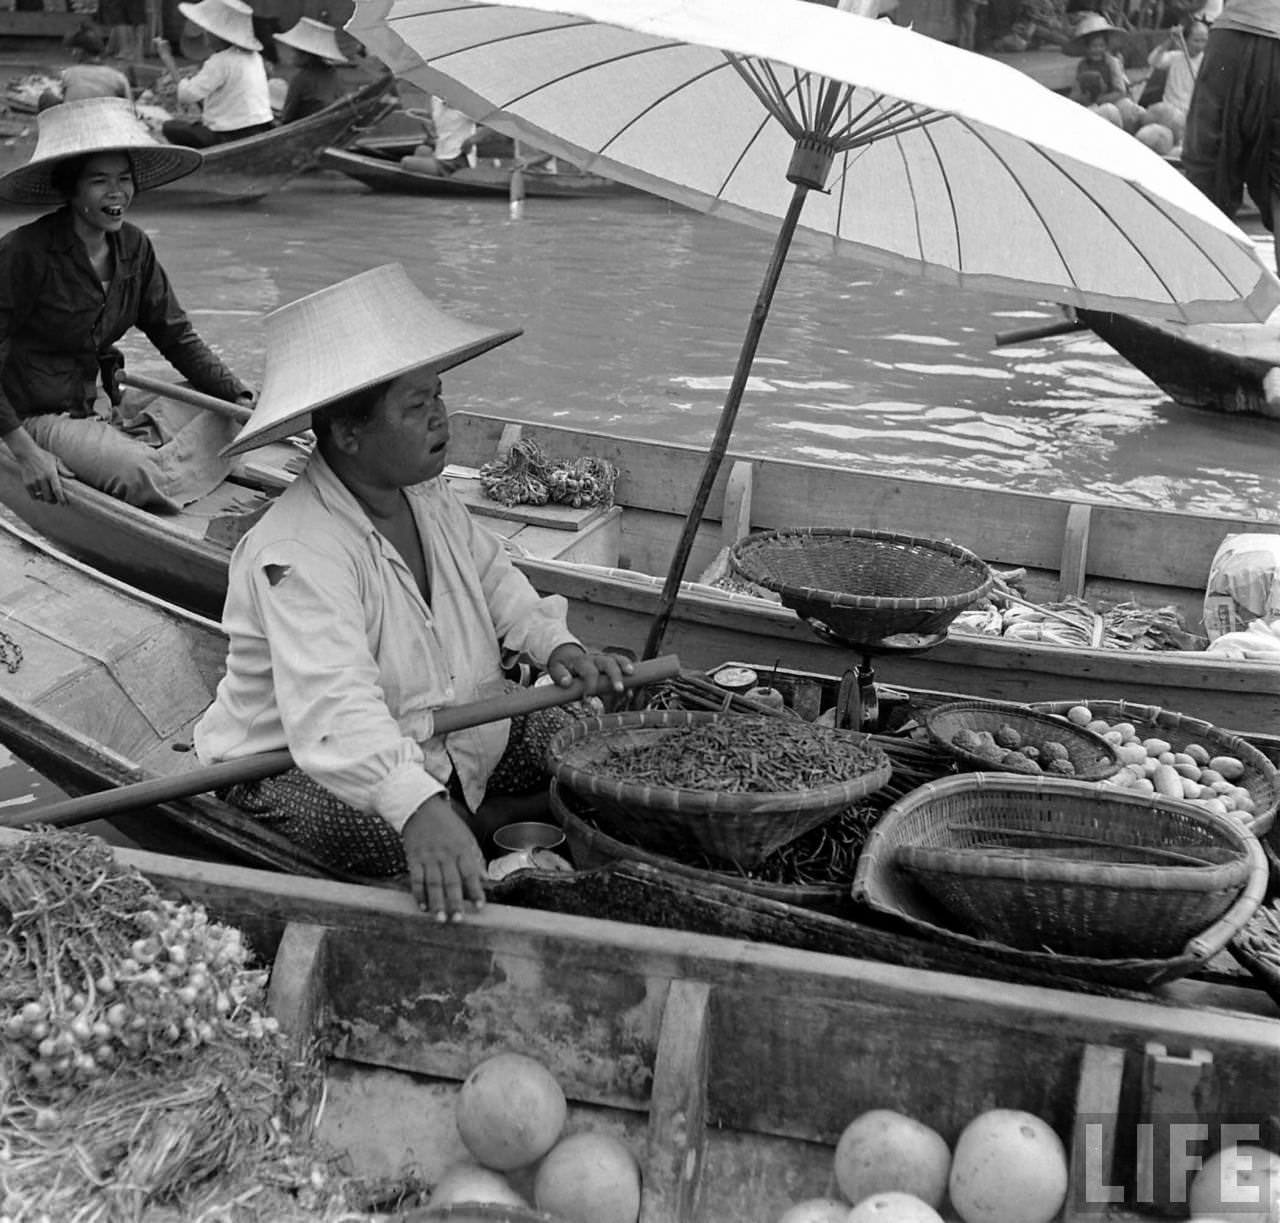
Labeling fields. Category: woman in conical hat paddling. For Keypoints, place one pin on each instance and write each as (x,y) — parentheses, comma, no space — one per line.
(366,597)
(230,87)
(71,284)
(313,47)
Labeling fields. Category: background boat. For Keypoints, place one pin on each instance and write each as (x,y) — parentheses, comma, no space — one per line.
(244,170)
(607,562)
(1218,367)
(485,178)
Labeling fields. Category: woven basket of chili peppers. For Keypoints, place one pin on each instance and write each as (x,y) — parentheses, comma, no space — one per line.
(734,786)
(814,871)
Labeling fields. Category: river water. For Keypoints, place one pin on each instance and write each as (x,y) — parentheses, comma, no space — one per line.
(634,311)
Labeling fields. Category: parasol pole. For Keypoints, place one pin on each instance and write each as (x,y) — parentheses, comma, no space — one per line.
(809,168)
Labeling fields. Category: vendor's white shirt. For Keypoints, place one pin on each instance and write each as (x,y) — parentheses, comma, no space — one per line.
(335,655)
(231,88)
(453,130)
(1181,81)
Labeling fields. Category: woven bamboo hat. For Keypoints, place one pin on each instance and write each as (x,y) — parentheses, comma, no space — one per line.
(355,334)
(1089,25)
(230,20)
(315,38)
(94,125)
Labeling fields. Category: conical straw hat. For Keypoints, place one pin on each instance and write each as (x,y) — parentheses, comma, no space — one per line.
(315,38)
(355,334)
(94,125)
(230,20)
(1089,25)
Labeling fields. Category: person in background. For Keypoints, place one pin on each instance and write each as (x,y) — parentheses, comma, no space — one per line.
(312,47)
(1180,56)
(454,136)
(967,12)
(1232,138)
(72,283)
(230,86)
(88,77)
(368,596)
(1100,75)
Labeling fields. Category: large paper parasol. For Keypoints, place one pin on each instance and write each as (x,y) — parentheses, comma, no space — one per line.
(831,127)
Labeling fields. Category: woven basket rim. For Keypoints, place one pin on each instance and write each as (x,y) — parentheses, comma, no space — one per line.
(1027,714)
(816,594)
(702,802)
(979,863)
(1261,822)
(874,863)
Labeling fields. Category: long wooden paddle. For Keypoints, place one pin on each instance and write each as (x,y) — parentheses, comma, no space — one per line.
(184,394)
(267,764)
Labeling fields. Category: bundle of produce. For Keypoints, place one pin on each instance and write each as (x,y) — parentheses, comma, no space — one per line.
(529,476)
(139,1077)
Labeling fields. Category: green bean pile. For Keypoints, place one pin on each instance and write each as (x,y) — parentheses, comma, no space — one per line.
(740,754)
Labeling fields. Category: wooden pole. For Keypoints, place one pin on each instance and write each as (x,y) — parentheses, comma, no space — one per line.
(267,764)
(184,394)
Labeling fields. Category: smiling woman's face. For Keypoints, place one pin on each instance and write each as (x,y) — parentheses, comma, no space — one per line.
(104,191)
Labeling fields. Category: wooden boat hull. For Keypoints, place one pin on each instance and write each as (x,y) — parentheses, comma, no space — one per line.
(1217,367)
(380,174)
(241,171)
(730,1069)
(605,567)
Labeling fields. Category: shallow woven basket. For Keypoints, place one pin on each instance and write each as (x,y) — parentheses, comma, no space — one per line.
(1261,778)
(1092,757)
(1071,877)
(589,848)
(865,585)
(743,828)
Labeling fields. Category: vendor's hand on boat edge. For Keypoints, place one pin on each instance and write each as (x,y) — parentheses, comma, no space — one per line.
(570,662)
(446,865)
(42,476)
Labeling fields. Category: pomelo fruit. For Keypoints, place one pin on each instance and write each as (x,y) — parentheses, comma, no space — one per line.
(1132,116)
(1169,115)
(816,1210)
(589,1178)
(883,1151)
(1110,112)
(893,1208)
(1008,1167)
(472,1183)
(1157,137)
(1241,1183)
(510,1111)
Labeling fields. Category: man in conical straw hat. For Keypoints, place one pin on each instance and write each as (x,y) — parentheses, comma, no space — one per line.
(71,284)
(231,86)
(312,46)
(367,596)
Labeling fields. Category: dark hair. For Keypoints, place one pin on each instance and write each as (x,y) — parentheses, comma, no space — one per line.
(64,175)
(88,40)
(350,410)
(1191,23)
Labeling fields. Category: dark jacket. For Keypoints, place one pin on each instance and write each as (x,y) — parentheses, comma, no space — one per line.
(314,86)
(56,324)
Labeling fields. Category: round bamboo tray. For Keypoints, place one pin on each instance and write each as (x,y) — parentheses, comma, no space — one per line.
(1092,757)
(865,585)
(1035,896)
(1261,778)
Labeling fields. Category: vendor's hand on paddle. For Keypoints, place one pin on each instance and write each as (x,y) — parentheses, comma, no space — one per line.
(570,662)
(446,867)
